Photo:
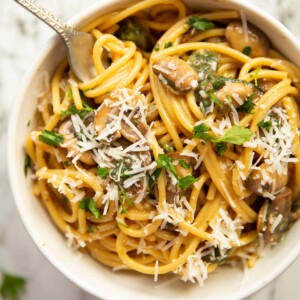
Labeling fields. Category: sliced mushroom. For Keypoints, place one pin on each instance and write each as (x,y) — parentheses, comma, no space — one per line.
(265,180)
(274,216)
(216,39)
(234,94)
(178,76)
(102,119)
(128,133)
(255,39)
(67,130)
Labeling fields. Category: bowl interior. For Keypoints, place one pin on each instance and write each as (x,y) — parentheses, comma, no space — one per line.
(229,283)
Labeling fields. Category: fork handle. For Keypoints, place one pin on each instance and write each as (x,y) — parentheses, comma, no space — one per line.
(64,30)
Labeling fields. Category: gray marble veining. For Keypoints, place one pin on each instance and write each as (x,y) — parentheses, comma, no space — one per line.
(24,36)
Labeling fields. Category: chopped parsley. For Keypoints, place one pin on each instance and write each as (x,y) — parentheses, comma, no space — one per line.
(12,286)
(168,45)
(67,163)
(88,204)
(103,172)
(153,177)
(27,163)
(215,99)
(247,106)
(51,138)
(247,50)
(72,110)
(184,164)
(201,24)
(221,147)
(186,181)
(265,124)
(236,135)
(166,162)
(157,47)
(70,94)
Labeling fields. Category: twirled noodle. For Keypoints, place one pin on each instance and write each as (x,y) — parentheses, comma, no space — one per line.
(183,152)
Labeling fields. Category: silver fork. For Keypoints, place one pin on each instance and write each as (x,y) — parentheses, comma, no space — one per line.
(79,44)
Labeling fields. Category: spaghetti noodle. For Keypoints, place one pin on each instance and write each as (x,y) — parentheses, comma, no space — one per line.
(182,154)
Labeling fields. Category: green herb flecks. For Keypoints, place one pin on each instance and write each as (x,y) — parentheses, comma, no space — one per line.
(215,99)
(27,163)
(201,24)
(51,138)
(103,172)
(12,286)
(184,164)
(247,106)
(153,177)
(88,204)
(166,162)
(131,30)
(72,110)
(236,135)
(221,147)
(200,132)
(157,48)
(168,45)
(265,124)
(186,182)
(70,94)
(247,50)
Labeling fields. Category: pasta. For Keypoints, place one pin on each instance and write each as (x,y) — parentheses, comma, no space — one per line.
(182,154)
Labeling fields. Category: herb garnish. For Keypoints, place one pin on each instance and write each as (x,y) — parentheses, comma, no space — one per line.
(200,23)
(27,163)
(265,124)
(186,181)
(247,50)
(168,45)
(88,204)
(247,106)
(72,110)
(184,164)
(70,94)
(166,162)
(153,177)
(103,172)
(157,47)
(51,138)
(236,135)
(12,286)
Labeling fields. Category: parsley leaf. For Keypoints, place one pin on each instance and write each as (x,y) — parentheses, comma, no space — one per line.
(184,164)
(27,163)
(70,94)
(51,138)
(157,47)
(247,50)
(72,110)
(200,133)
(166,162)
(247,106)
(168,45)
(221,147)
(200,23)
(12,286)
(265,124)
(88,204)
(186,181)
(103,172)
(215,99)
(153,177)
(236,135)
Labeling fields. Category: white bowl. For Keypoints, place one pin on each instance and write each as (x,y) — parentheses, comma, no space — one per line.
(84,271)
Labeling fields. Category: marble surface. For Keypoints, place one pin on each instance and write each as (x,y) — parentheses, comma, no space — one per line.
(22,36)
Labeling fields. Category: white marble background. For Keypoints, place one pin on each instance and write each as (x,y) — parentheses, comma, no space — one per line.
(21,37)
